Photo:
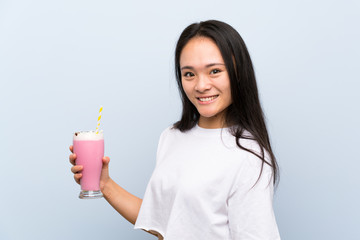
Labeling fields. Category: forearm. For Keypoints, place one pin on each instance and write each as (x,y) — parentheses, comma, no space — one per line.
(123,202)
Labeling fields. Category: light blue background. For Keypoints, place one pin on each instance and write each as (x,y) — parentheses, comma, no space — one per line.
(61,60)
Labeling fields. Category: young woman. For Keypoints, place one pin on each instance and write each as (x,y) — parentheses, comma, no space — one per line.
(215,170)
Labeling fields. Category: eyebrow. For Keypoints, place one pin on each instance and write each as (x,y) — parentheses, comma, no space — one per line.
(207,66)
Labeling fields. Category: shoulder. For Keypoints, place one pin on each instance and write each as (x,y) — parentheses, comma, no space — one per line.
(167,134)
(168,131)
(172,131)
(253,168)
(252,151)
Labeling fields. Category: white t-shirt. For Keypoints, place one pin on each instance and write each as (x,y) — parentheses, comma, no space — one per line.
(201,189)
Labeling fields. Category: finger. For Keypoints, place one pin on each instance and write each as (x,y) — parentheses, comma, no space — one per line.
(106,160)
(72,158)
(76,169)
(105,166)
(71,148)
(77,177)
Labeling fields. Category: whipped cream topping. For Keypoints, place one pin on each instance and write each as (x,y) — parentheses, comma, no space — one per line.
(88,135)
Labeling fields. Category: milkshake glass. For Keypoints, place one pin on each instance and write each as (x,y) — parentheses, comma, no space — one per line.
(89,149)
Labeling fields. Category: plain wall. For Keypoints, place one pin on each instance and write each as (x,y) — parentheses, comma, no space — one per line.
(61,60)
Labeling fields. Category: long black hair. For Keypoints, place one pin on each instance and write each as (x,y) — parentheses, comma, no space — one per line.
(245,112)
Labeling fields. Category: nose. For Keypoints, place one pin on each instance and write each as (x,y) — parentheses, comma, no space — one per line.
(202,84)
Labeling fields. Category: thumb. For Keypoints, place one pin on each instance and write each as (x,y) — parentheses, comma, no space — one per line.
(105,167)
(106,160)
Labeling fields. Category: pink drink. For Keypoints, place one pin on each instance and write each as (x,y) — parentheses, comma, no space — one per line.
(89,150)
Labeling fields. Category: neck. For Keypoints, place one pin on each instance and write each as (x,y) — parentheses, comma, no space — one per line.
(212,122)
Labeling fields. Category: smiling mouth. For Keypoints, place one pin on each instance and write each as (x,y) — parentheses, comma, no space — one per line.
(207,99)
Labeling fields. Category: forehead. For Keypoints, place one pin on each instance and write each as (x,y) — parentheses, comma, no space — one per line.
(200,51)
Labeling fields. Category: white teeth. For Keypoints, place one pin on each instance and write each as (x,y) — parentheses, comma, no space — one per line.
(207,99)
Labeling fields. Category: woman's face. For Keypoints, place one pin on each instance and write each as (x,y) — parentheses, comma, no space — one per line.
(205,81)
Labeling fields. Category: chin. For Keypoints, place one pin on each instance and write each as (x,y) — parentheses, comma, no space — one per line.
(207,114)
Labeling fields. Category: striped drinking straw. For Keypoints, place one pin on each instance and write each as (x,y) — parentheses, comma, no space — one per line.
(98,121)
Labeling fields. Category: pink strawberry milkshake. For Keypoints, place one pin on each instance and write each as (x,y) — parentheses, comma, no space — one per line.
(89,149)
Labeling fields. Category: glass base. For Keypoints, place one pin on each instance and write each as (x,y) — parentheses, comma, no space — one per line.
(90,194)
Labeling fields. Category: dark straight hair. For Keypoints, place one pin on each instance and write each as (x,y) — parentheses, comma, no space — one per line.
(245,112)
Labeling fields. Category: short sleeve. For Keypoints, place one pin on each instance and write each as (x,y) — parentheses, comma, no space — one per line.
(250,207)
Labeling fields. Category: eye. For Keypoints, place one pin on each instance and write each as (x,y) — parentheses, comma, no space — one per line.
(215,71)
(188,74)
